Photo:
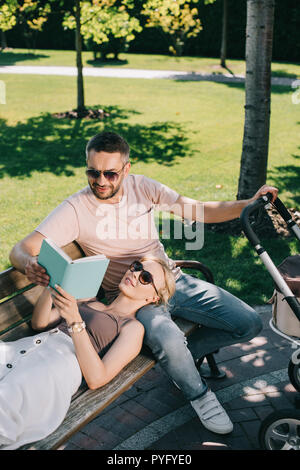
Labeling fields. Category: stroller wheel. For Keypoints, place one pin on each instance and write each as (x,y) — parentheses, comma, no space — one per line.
(294,375)
(281,430)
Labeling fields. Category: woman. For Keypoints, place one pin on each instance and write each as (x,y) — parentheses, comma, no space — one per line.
(91,339)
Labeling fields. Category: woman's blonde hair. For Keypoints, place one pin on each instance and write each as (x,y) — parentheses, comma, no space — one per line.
(168,290)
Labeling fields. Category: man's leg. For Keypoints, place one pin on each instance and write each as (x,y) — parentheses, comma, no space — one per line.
(168,344)
(224,318)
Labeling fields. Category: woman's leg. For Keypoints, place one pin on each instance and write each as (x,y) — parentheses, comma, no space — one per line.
(36,391)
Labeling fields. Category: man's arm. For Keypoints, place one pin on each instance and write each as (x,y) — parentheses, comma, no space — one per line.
(216,211)
(61,225)
(24,255)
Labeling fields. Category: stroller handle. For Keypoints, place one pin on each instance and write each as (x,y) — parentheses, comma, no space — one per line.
(264,201)
(247,211)
(254,240)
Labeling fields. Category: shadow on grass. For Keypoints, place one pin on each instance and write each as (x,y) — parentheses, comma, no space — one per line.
(11,58)
(106,62)
(284,74)
(275,89)
(48,144)
(287,178)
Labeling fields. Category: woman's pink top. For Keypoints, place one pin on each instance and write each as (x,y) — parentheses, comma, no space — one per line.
(102,327)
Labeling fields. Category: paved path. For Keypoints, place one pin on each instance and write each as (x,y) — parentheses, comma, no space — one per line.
(154,415)
(133,73)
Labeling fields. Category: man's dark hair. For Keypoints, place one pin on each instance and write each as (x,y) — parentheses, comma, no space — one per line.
(108,142)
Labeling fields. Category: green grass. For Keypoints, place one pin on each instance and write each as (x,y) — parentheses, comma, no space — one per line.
(187,135)
(140,61)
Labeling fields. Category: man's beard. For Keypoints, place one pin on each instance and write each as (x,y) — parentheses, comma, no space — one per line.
(112,193)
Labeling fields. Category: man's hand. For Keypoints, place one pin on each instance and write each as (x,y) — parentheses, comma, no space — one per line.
(264,190)
(36,273)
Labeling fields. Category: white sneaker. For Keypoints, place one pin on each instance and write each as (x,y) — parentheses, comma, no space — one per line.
(212,414)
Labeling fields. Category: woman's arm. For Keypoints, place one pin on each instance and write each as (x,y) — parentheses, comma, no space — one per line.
(44,315)
(96,371)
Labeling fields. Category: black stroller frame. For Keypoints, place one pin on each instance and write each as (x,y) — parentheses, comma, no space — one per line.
(281,429)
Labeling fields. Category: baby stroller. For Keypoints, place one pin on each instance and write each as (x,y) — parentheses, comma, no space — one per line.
(281,429)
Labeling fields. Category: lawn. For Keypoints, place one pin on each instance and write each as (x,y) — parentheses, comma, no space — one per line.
(140,61)
(187,135)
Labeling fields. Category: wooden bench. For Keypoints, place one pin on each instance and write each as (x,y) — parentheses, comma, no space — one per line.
(17,299)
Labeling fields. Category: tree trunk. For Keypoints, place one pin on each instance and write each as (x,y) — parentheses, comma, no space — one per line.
(78,40)
(3,40)
(259,38)
(223,52)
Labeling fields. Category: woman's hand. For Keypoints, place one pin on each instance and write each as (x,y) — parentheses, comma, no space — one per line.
(66,305)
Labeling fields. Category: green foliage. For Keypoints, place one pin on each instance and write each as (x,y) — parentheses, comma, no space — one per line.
(33,13)
(102,21)
(7,15)
(178,19)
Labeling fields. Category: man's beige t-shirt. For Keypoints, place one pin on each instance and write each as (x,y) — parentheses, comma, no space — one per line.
(123,232)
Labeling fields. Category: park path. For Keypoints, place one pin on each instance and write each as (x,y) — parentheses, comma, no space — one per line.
(135,73)
(154,415)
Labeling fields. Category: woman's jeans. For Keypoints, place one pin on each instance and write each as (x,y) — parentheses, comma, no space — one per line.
(224,320)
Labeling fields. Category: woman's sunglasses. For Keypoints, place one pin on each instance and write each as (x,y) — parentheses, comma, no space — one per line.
(108,175)
(145,277)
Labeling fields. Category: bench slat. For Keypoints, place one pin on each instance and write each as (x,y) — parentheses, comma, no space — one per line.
(18,308)
(17,332)
(12,281)
(87,406)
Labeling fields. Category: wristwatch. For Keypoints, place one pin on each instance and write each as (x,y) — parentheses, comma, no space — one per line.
(76,327)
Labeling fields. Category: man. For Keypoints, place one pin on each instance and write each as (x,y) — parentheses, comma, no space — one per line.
(114,215)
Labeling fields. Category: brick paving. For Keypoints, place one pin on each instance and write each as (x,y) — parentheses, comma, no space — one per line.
(154,415)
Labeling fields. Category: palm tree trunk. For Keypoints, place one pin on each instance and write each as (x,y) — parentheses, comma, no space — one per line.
(78,40)
(223,52)
(259,39)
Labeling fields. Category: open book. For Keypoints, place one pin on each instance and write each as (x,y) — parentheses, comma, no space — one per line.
(80,278)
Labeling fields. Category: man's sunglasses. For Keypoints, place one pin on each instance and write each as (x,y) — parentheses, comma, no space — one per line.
(108,175)
(145,277)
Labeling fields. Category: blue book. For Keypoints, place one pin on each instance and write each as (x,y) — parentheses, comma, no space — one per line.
(81,277)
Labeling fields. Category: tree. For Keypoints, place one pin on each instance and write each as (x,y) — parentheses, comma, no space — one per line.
(78,41)
(31,14)
(223,52)
(89,19)
(259,39)
(7,19)
(175,18)
(104,22)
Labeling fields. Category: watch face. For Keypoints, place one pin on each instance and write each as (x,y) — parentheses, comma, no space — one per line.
(76,327)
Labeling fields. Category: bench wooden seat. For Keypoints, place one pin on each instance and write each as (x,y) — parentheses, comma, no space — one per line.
(18,298)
